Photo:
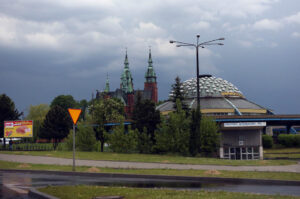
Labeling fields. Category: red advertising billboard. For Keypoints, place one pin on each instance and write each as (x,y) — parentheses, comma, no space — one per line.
(18,129)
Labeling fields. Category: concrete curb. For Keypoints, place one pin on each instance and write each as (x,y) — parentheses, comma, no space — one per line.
(35,194)
(163,177)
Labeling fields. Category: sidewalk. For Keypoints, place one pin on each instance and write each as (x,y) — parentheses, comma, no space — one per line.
(142,165)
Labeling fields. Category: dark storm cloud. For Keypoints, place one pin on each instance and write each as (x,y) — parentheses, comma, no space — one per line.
(57,47)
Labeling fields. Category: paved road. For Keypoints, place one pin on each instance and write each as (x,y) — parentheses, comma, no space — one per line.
(141,165)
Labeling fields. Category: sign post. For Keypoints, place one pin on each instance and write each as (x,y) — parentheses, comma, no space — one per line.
(74,113)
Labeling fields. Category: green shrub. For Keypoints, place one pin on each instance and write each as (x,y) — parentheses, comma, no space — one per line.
(267,141)
(297,141)
(289,140)
(122,142)
(144,144)
(61,146)
(69,141)
(172,135)
(85,138)
(209,137)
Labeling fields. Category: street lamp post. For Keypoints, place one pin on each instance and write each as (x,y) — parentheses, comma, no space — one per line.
(197,45)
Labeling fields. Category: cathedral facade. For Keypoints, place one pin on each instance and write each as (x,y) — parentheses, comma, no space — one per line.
(126,93)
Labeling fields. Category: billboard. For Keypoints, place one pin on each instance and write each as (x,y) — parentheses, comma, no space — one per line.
(17,129)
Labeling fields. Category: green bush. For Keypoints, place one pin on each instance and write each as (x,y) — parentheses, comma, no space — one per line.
(267,141)
(144,144)
(69,141)
(289,140)
(172,135)
(297,141)
(122,142)
(209,137)
(85,138)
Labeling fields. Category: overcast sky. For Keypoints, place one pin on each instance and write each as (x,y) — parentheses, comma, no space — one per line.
(54,47)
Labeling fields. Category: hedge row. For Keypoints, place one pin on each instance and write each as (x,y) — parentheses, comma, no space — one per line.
(267,141)
(289,140)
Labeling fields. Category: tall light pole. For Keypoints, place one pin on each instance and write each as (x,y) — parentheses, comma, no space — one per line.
(197,45)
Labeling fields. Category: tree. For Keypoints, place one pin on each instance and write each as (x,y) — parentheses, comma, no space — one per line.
(56,125)
(145,116)
(194,143)
(122,142)
(144,142)
(209,137)
(103,111)
(64,101)
(7,112)
(174,132)
(85,138)
(178,94)
(37,114)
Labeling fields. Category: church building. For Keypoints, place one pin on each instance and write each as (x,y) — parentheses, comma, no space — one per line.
(126,93)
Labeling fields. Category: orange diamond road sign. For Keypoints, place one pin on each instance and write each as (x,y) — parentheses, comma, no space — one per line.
(74,113)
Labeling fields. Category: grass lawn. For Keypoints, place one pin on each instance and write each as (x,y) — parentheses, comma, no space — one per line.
(83,192)
(282,153)
(284,150)
(171,172)
(152,158)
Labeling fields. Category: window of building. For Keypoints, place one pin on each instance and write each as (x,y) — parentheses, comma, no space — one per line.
(241,153)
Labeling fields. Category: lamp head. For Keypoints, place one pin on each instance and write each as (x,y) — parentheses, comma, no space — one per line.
(221,38)
(171,41)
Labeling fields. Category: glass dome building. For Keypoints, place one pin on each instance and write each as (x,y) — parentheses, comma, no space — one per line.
(217,97)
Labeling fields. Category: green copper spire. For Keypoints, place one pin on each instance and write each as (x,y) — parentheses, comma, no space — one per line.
(126,63)
(150,74)
(106,90)
(126,78)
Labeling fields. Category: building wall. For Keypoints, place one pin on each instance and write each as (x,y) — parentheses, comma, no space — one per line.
(249,137)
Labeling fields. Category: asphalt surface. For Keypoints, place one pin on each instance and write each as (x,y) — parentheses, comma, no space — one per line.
(141,165)
(21,181)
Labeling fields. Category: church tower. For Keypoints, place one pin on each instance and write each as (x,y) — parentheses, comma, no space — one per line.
(127,87)
(150,80)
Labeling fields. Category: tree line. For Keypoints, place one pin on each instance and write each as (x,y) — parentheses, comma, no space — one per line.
(183,131)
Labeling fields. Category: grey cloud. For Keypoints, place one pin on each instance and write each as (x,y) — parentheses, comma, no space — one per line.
(57,47)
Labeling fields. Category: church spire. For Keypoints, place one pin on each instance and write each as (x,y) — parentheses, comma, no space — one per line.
(126,77)
(106,90)
(150,84)
(126,63)
(150,74)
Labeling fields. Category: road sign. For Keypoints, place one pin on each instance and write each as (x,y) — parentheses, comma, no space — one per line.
(74,113)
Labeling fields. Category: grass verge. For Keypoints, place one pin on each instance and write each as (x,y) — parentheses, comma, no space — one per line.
(282,153)
(152,158)
(83,192)
(170,172)
(283,150)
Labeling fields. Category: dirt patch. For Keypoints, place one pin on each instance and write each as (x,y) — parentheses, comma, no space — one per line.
(212,172)
(165,161)
(93,170)
(263,162)
(24,165)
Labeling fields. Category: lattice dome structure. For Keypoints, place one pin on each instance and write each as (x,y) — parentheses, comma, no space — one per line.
(209,87)
(217,97)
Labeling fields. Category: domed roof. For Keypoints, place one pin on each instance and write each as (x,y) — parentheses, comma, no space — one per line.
(209,87)
(218,97)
